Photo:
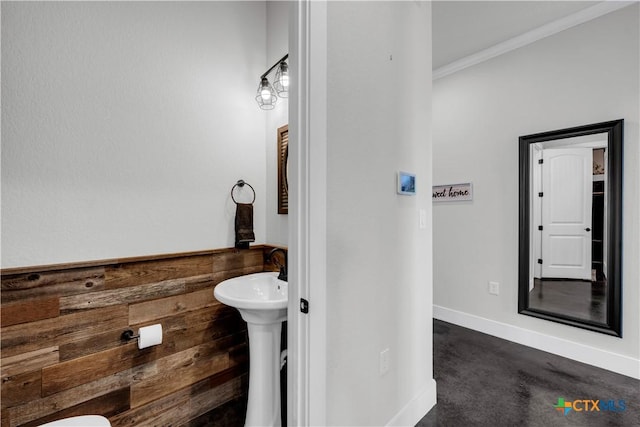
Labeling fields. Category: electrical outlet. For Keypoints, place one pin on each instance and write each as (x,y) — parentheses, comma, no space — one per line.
(494,288)
(384,361)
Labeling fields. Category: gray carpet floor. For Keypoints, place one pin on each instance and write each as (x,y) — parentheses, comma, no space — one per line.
(487,381)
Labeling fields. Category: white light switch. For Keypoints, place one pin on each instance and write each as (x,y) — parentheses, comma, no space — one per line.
(423,219)
(384,361)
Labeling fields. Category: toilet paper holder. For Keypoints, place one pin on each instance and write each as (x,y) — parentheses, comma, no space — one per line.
(129,335)
(147,336)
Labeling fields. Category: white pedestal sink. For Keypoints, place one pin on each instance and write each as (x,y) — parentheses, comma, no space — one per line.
(261,300)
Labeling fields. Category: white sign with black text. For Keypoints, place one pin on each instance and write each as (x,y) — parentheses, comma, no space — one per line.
(452,192)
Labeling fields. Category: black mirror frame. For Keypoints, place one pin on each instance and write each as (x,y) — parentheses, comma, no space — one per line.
(614,129)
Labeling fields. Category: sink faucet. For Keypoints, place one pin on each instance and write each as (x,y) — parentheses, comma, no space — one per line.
(283,268)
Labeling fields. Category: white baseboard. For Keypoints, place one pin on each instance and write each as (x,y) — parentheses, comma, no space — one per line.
(417,407)
(614,362)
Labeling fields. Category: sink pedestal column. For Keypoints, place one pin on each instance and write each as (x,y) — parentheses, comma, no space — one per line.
(263,406)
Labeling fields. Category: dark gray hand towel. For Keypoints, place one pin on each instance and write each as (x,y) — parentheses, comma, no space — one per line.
(244,225)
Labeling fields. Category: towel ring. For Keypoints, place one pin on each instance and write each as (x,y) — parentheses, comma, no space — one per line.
(241,184)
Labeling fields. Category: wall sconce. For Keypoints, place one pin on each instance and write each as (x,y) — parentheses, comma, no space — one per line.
(266,96)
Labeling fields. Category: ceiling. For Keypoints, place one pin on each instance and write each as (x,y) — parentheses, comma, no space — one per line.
(461,28)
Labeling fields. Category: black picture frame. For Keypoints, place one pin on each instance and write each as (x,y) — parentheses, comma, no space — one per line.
(614,130)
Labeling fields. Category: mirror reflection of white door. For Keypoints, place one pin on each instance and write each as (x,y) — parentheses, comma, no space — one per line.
(567,182)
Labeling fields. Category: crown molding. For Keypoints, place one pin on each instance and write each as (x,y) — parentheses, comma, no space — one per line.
(532,36)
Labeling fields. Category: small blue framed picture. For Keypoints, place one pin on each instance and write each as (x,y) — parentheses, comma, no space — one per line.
(406,183)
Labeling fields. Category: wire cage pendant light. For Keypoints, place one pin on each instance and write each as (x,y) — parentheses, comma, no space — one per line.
(281,83)
(267,94)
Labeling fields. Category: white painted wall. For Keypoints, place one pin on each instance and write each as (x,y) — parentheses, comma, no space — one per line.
(379,271)
(277,47)
(125,125)
(583,75)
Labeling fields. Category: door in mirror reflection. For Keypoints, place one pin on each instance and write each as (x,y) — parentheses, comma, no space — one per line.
(566,213)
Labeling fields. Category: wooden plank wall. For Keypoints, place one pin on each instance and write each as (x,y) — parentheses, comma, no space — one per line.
(62,354)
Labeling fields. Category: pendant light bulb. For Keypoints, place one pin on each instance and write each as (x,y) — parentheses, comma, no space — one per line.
(265,93)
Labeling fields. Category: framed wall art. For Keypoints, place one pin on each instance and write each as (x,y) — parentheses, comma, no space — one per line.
(283,170)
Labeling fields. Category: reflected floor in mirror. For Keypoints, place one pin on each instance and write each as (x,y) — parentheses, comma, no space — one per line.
(487,381)
(581,299)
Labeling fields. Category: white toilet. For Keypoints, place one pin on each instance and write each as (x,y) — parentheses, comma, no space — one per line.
(81,421)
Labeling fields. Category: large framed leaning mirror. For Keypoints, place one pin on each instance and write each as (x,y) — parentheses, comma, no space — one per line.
(570,226)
